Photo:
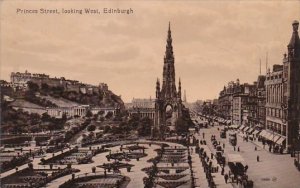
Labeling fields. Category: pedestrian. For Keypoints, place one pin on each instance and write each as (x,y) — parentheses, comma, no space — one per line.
(203,134)
(223,145)
(234,148)
(238,149)
(226,178)
(257,158)
(255,148)
(246,168)
(211,155)
(222,172)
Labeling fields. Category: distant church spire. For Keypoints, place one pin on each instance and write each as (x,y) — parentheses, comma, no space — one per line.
(184,97)
(179,89)
(259,66)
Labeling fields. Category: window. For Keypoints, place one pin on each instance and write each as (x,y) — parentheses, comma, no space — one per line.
(279,128)
(284,130)
(280,113)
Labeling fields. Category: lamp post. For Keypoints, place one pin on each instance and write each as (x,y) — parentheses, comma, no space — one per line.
(272,128)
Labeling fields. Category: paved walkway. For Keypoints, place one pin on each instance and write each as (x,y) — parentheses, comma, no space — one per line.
(273,170)
(199,173)
(136,175)
(218,178)
(35,163)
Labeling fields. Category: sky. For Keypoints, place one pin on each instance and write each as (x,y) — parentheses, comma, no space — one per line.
(214,42)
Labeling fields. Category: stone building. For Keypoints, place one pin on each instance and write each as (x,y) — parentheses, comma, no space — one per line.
(291,76)
(243,103)
(276,126)
(238,103)
(142,108)
(261,102)
(282,96)
(19,79)
(168,103)
(225,100)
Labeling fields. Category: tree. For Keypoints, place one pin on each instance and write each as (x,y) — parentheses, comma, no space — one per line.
(64,117)
(91,127)
(95,117)
(45,87)
(46,117)
(109,115)
(181,126)
(33,87)
(89,113)
(106,129)
(144,127)
(101,112)
(35,118)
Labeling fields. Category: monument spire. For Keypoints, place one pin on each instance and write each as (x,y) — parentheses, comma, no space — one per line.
(168,85)
(169,47)
(167,96)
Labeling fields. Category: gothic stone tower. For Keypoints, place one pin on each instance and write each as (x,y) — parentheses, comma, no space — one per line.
(291,79)
(167,96)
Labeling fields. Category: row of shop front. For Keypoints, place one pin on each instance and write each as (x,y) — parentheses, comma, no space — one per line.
(264,134)
(215,118)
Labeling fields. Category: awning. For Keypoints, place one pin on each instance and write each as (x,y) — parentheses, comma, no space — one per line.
(235,158)
(246,128)
(250,130)
(280,140)
(262,133)
(241,127)
(234,126)
(270,136)
(255,132)
(259,126)
(276,137)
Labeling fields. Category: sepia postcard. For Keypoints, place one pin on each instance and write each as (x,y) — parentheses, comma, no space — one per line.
(150,94)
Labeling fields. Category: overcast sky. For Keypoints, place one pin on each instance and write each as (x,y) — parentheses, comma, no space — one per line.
(214,42)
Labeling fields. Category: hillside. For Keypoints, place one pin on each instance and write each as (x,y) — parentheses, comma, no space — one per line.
(44,91)
(84,94)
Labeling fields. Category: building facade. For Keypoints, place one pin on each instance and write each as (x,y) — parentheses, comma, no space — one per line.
(275,121)
(225,100)
(291,88)
(282,96)
(261,102)
(243,104)
(142,108)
